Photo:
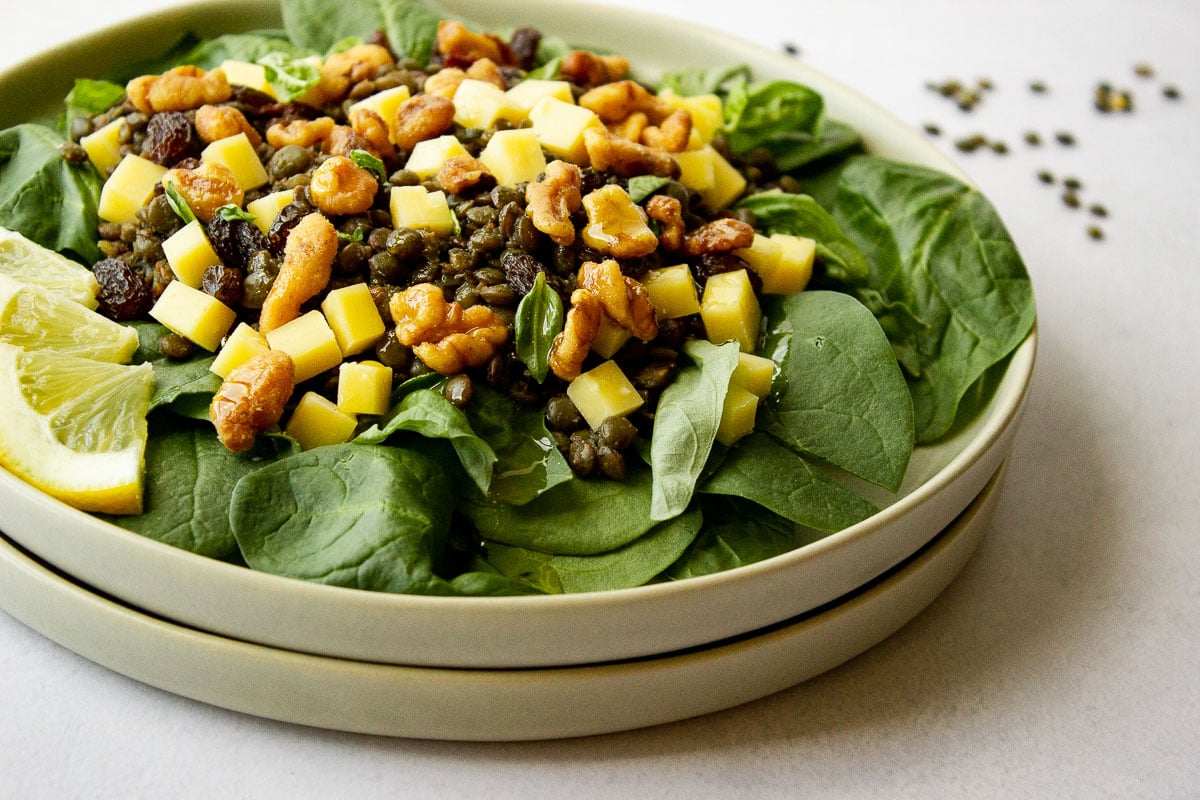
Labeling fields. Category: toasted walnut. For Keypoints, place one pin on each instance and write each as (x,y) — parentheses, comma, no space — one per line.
(667,211)
(339,187)
(718,236)
(487,71)
(672,134)
(609,152)
(588,69)
(458,173)
(178,89)
(252,398)
(307,266)
(625,301)
(631,128)
(613,102)
(571,345)
(617,225)
(460,46)
(343,140)
(342,70)
(422,117)
(371,127)
(301,132)
(444,82)
(551,202)
(206,188)
(221,122)
(446,336)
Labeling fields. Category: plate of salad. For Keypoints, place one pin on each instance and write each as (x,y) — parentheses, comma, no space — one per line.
(433,334)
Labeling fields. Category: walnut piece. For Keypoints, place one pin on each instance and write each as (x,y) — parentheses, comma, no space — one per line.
(339,187)
(343,140)
(667,211)
(422,117)
(302,132)
(624,299)
(307,266)
(371,127)
(718,236)
(444,82)
(252,398)
(178,89)
(617,225)
(609,152)
(206,188)
(613,102)
(631,128)
(460,46)
(458,173)
(446,336)
(487,71)
(585,68)
(221,122)
(551,202)
(672,134)
(573,342)
(342,70)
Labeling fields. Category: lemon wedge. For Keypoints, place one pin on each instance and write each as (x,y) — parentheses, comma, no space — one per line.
(75,428)
(29,262)
(35,319)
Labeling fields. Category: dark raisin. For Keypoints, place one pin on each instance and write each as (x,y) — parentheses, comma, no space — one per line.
(235,240)
(524,44)
(170,138)
(123,292)
(520,271)
(223,283)
(717,263)
(288,218)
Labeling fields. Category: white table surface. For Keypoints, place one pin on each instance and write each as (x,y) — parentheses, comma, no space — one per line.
(1062,662)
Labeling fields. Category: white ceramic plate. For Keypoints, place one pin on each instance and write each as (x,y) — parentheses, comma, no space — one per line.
(485,705)
(521,631)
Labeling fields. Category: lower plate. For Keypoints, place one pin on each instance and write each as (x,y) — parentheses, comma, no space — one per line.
(481,704)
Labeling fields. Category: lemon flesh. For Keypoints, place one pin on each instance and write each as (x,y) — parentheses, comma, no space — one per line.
(75,428)
(29,262)
(36,319)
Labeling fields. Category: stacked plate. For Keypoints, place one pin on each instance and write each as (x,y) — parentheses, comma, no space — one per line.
(501,668)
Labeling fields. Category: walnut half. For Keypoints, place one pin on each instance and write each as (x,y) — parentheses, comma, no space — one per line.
(444,335)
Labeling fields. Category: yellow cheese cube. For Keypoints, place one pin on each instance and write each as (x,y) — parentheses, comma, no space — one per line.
(754,374)
(559,128)
(242,345)
(310,342)
(730,310)
(795,266)
(525,95)
(266,208)
(103,145)
(514,157)
(189,253)
(238,154)
(243,73)
(193,314)
(352,314)
(413,207)
(737,415)
(385,104)
(696,169)
(317,422)
(130,187)
(705,170)
(672,291)
(603,392)
(610,338)
(762,255)
(707,114)
(428,156)
(478,104)
(364,387)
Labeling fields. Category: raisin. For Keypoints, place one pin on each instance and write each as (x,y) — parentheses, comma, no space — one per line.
(170,138)
(253,102)
(235,240)
(223,283)
(717,263)
(123,293)
(524,45)
(288,218)
(520,271)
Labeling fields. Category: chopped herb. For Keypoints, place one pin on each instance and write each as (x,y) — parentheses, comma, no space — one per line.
(355,237)
(177,203)
(230,212)
(370,163)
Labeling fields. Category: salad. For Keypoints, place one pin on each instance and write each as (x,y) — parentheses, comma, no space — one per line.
(398,304)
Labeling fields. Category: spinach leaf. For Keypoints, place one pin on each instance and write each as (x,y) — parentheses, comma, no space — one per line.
(704,80)
(185,387)
(290,76)
(779,115)
(251,47)
(484,581)
(46,198)
(764,471)
(410,25)
(528,463)
(89,97)
(736,533)
(578,517)
(685,424)
(946,279)
(539,319)
(354,515)
(631,565)
(642,186)
(800,215)
(841,395)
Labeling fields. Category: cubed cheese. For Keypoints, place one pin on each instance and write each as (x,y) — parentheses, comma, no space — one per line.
(103,145)
(603,392)
(194,315)
(242,345)
(672,291)
(525,95)
(559,127)
(696,169)
(428,156)
(266,208)
(413,207)
(317,422)
(514,157)
(478,104)
(707,171)
(130,187)
(310,342)
(354,318)
(189,253)
(707,113)
(610,337)
(795,266)
(737,415)
(762,255)
(730,310)
(385,104)
(754,374)
(364,387)
(243,73)
(238,154)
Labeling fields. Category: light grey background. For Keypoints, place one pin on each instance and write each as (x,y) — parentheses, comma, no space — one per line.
(1062,662)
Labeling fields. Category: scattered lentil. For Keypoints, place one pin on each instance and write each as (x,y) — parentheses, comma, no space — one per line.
(1065,139)
(1038,87)
(1070,199)
(932,129)
(1171,92)
(1098,210)
(791,49)
(1046,176)
(1143,70)
(999,147)
(1033,139)
(1074,184)
(1095,232)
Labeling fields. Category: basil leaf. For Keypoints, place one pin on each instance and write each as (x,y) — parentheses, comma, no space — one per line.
(685,424)
(230,212)
(539,319)
(291,77)
(528,464)
(642,186)
(90,97)
(177,203)
(800,215)
(355,237)
(370,163)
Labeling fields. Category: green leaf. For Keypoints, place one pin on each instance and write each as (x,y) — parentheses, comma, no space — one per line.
(685,424)
(736,533)
(290,76)
(177,203)
(90,97)
(539,319)
(410,25)
(46,198)
(528,462)
(230,212)
(642,186)
(800,215)
(185,387)
(370,163)
(628,566)
(355,237)
(779,115)
(840,394)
